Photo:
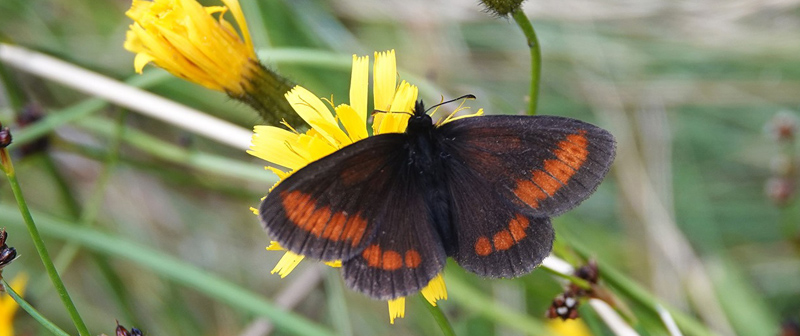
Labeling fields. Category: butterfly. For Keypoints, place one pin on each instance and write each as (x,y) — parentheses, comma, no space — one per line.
(394,206)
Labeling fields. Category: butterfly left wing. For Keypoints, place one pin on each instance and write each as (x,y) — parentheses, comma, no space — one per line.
(507,175)
(363,205)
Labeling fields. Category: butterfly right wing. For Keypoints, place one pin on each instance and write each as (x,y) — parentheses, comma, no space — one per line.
(507,175)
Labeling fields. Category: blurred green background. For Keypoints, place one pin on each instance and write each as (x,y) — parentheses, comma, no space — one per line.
(689,88)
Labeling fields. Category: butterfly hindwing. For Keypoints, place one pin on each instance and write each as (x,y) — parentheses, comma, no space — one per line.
(507,175)
(493,236)
(406,252)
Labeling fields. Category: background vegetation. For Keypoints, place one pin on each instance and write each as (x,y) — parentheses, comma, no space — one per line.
(688,87)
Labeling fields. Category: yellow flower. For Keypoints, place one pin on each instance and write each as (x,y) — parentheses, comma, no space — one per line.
(9,307)
(293,150)
(184,38)
(568,327)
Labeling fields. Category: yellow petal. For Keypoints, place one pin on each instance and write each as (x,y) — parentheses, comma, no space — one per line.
(335,263)
(384,79)
(568,327)
(278,146)
(140,61)
(397,309)
(435,290)
(359,89)
(355,127)
(316,114)
(392,121)
(274,246)
(238,15)
(286,265)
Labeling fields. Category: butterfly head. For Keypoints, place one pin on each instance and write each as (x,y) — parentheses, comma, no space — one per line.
(419,120)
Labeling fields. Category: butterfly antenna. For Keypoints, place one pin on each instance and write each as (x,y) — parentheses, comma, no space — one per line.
(374,112)
(466,96)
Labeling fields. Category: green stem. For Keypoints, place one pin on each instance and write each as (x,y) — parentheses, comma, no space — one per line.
(50,326)
(628,287)
(473,300)
(8,168)
(173,269)
(337,304)
(440,317)
(536,57)
(575,280)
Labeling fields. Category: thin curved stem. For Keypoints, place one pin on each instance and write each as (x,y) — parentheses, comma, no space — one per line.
(536,58)
(8,168)
(440,318)
(47,324)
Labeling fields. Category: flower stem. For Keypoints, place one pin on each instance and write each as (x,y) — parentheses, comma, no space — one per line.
(536,57)
(50,326)
(571,278)
(441,318)
(8,168)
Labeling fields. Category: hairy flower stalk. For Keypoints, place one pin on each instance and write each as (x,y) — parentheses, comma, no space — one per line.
(502,7)
(184,38)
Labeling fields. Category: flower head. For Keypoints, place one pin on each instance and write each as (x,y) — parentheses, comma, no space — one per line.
(198,44)
(184,38)
(285,147)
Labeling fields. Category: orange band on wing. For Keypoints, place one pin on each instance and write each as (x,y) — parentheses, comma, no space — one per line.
(302,211)
(570,154)
(504,239)
(390,260)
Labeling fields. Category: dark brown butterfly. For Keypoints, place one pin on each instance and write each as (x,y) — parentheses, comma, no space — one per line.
(393,207)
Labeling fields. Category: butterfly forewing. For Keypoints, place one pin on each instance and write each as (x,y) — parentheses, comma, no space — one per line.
(323,210)
(546,163)
(507,174)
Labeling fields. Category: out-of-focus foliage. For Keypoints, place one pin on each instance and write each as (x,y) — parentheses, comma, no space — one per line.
(689,89)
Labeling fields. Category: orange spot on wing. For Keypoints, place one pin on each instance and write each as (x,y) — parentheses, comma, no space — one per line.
(558,169)
(317,221)
(503,240)
(517,227)
(298,207)
(335,227)
(412,259)
(571,154)
(372,255)
(572,151)
(355,229)
(301,210)
(482,246)
(392,260)
(548,184)
(529,193)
